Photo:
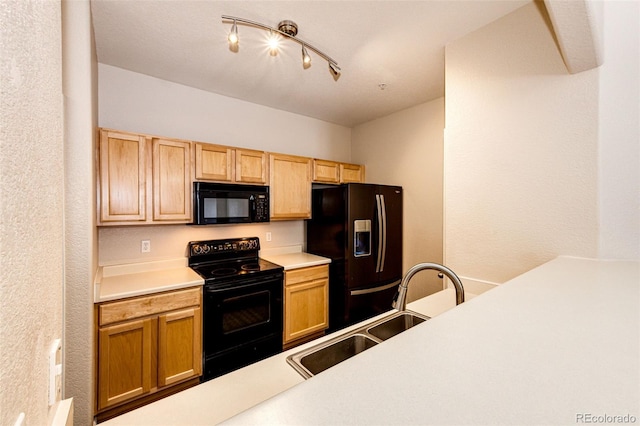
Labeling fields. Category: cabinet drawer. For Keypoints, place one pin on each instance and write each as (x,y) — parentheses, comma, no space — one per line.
(113,312)
(311,273)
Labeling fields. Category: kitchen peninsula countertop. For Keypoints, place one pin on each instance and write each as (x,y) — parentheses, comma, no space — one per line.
(137,279)
(549,346)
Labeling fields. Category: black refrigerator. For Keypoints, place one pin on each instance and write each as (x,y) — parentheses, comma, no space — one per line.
(358,226)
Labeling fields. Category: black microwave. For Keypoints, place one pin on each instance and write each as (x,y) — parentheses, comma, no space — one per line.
(218,203)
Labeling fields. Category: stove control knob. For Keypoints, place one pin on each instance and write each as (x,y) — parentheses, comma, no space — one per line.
(196,249)
(206,248)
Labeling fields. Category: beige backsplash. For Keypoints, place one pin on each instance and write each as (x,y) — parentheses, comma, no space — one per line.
(117,245)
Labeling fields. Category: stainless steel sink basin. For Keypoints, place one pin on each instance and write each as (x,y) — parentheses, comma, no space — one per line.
(325,355)
(395,325)
(334,352)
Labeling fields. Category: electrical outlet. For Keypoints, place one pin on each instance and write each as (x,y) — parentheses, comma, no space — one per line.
(268,236)
(55,372)
(145,246)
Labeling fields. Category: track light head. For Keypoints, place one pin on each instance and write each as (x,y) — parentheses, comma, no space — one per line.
(274,43)
(306,59)
(233,38)
(335,70)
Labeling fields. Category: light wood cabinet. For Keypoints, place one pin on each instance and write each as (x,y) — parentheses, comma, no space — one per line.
(147,344)
(306,303)
(171,180)
(226,164)
(251,166)
(351,173)
(290,187)
(143,180)
(123,177)
(325,171)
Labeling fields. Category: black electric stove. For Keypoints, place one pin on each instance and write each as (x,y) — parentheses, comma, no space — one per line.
(242,306)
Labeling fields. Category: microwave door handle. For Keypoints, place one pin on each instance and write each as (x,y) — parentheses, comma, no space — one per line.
(380,236)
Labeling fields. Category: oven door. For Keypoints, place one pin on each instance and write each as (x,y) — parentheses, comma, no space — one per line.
(241,312)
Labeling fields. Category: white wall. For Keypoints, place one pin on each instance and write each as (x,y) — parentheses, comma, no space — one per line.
(31,204)
(521,151)
(139,103)
(81,244)
(619,132)
(405,149)
(540,163)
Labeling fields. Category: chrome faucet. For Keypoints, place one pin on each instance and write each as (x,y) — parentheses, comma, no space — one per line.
(400,301)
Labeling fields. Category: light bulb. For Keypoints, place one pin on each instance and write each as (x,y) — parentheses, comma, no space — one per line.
(233,35)
(274,43)
(306,59)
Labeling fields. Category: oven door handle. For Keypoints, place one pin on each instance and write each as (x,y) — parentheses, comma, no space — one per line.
(245,282)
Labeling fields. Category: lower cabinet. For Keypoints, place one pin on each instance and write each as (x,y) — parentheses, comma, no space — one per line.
(147,345)
(306,304)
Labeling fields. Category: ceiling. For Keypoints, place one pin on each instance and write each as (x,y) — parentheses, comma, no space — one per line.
(396,43)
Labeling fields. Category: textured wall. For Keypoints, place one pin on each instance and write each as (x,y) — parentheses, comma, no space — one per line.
(619,132)
(405,149)
(520,151)
(31,203)
(81,244)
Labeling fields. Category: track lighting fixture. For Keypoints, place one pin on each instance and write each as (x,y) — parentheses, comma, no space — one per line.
(288,29)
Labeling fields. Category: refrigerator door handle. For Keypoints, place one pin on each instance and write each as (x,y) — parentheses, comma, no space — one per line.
(383,208)
(374,289)
(380,236)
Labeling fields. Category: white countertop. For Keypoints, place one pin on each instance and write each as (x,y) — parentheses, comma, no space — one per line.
(114,282)
(557,342)
(552,346)
(296,260)
(137,279)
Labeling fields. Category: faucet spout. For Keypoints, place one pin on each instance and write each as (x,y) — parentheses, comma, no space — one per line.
(400,300)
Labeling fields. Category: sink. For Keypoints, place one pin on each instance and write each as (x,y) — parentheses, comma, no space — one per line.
(325,355)
(319,358)
(395,325)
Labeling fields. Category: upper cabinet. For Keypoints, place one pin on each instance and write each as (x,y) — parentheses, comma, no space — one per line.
(171,180)
(148,180)
(325,171)
(226,164)
(290,187)
(123,177)
(140,174)
(351,173)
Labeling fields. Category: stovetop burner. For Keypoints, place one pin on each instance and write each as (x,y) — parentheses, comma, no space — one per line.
(229,259)
(224,271)
(250,267)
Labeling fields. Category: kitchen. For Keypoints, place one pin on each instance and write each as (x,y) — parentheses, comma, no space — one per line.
(495,125)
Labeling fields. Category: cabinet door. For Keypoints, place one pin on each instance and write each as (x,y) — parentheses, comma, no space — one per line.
(306,309)
(122,177)
(179,346)
(171,180)
(125,362)
(290,185)
(351,173)
(251,166)
(306,306)
(326,171)
(213,162)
